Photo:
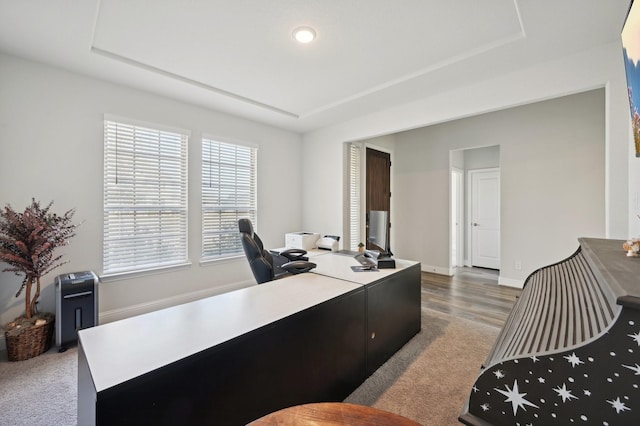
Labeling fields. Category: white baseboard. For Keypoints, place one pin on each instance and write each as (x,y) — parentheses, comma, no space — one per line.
(436,270)
(508,282)
(129,311)
(143,308)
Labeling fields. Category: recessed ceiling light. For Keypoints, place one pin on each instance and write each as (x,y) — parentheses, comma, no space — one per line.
(304,34)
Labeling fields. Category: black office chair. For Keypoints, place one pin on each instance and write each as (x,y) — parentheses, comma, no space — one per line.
(262,262)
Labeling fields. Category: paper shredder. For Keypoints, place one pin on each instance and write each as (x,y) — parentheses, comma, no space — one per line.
(76,305)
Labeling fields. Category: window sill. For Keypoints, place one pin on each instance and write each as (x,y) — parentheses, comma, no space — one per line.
(221,260)
(117,276)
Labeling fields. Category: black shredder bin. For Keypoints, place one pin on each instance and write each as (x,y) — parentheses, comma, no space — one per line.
(76,305)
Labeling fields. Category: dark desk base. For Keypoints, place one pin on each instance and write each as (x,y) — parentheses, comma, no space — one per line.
(393,315)
(322,353)
(317,354)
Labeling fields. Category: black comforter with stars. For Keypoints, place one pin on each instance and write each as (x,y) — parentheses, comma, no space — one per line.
(595,384)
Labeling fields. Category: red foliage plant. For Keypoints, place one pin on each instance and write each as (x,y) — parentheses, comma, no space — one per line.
(27,243)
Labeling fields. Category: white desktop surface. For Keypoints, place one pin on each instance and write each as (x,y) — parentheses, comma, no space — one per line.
(122,350)
(339,266)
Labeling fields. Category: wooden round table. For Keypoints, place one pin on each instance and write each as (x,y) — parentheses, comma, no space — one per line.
(332,413)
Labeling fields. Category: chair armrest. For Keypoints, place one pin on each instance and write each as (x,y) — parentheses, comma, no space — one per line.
(294,254)
(298,266)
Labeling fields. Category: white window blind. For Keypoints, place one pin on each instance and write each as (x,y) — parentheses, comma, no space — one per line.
(354,196)
(145,197)
(228,194)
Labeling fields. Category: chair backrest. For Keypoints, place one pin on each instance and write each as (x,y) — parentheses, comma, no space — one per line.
(259,259)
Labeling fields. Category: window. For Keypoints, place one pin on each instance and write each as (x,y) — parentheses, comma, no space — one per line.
(354,196)
(228,194)
(145,196)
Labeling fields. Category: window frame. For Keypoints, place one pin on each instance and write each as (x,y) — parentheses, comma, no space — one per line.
(157,184)
(246,176)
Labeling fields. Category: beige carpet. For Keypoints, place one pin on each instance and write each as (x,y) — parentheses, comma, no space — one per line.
(40,391)
(430,378)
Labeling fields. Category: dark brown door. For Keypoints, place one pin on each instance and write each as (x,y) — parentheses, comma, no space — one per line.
(378,185)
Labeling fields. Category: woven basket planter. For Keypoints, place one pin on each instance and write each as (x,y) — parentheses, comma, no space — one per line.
(30,341)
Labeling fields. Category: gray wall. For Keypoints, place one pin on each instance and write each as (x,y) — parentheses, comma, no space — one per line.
(600,67)
(51,131)
(482,158)
(552,161)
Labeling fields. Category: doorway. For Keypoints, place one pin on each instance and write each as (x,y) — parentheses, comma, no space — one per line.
(474,199)
(485,218)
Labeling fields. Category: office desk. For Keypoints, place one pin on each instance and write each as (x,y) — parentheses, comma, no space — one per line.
(235,357)
(393,313)
(339,266)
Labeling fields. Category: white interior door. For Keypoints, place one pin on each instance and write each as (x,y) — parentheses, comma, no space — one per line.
(485,218)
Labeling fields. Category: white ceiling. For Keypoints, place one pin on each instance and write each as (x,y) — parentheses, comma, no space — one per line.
(238,56)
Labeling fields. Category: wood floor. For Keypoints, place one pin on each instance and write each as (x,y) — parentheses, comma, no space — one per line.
(472,293)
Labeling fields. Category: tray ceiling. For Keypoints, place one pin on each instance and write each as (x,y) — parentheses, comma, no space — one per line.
(239,56)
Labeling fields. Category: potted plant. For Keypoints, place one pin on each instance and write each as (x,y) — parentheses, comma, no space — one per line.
(27,243)
(361,247)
